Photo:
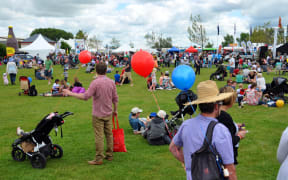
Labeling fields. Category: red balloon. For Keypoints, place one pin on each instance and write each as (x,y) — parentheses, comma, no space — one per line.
(85,57)
(142,63)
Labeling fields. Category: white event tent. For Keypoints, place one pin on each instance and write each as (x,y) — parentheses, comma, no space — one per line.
(124,48)
(39,46)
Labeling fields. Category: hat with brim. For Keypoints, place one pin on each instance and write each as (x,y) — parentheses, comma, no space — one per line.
(207,92)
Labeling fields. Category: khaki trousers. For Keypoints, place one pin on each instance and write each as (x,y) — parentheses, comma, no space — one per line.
(100,125)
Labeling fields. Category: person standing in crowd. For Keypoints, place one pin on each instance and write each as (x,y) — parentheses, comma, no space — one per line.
(48,69)
(127,72)
(227,120)
(197,64)
(191,134)
(232,65)
(11,69)
(103,91)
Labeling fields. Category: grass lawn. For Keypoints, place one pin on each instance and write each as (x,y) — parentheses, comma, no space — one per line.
(257,152)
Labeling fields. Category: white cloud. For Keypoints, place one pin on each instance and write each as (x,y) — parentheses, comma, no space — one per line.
(129,20)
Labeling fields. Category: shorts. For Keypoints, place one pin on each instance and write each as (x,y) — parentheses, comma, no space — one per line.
(231,70)
(48,74)
(127,74)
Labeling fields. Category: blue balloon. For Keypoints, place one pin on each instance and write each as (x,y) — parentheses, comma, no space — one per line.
(183,77)
(30,79)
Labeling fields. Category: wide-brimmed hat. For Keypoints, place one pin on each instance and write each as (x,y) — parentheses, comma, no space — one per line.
(207,92)
(161,114)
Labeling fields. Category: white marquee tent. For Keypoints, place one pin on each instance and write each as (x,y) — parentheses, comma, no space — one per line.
(39,46)
(124,48)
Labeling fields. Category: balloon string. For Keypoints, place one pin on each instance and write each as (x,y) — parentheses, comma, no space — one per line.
(156,101)
(58,102)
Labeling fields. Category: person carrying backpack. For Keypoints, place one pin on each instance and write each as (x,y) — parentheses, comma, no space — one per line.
(205,148)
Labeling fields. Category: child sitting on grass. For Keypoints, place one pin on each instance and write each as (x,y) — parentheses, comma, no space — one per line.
(117,78)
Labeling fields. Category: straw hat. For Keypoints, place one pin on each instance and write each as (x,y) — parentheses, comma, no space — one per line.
(207,92)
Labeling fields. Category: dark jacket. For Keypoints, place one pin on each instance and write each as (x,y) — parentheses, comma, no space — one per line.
(156,129)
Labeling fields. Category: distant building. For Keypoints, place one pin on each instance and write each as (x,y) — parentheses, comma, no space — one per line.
(31,39)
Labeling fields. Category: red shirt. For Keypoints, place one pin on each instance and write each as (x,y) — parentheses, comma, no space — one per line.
(104,94)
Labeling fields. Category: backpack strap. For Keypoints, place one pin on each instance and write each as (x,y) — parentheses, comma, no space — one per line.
(208,137)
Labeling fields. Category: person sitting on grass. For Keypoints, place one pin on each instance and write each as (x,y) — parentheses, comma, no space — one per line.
(117,78)
(239,77)
(156,133)
(167,83)
(56,87)
(253,95)
(137,124)
(161,80)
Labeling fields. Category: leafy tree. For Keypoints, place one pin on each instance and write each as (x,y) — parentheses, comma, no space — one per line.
(157,41)
(65,46)
(196,31)
(94,42)
(243,37)
(81,35)
(115,43)
(52,33)
(2,50)
(209,45)
(228,39)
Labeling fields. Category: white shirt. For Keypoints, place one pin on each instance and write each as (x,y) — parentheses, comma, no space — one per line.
(232,62)
(261,83)
(282,157)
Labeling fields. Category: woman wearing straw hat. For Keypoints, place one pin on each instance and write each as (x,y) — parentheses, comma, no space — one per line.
(191,134)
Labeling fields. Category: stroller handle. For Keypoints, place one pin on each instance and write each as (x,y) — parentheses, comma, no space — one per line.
(66,114)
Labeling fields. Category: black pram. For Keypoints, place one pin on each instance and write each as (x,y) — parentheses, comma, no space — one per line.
(277,88)
(182,98)
(219,74)
(37,144)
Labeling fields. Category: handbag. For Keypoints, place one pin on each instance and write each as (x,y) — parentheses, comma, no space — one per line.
(206,162)
(118,137)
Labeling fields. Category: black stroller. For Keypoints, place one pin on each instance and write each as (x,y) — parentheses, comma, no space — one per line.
(37,144)
(219,74)
(277,88)
(178,116)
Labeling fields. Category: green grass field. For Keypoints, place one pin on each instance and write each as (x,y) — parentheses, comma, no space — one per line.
(257,152)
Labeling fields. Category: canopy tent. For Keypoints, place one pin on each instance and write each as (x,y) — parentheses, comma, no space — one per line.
(210,49)
(124,48)
(191,50)
(173,49)
(282,49)
(39,46)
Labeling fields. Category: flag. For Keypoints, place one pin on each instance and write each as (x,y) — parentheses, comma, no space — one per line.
(218,30)
(234,29)
(280,24)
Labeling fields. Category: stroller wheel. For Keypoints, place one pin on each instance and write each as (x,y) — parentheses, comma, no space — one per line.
(57,151)
(38,160)
(18,154)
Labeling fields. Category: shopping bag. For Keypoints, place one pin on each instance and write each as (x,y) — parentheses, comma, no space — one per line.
(118,137)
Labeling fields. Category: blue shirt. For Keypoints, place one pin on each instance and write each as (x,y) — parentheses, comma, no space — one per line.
(191,135)
(135,123)
(117,78)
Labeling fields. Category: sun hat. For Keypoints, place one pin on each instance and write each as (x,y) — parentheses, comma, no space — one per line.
(136,110)
(153,114)
(207,92)
(161,114)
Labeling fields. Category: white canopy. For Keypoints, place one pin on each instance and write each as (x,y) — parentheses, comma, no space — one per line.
(39,46)
(124,48)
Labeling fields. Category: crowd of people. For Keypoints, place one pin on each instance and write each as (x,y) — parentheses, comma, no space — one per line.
(213,103)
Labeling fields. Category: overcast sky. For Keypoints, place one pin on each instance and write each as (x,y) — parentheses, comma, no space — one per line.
(130,20)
